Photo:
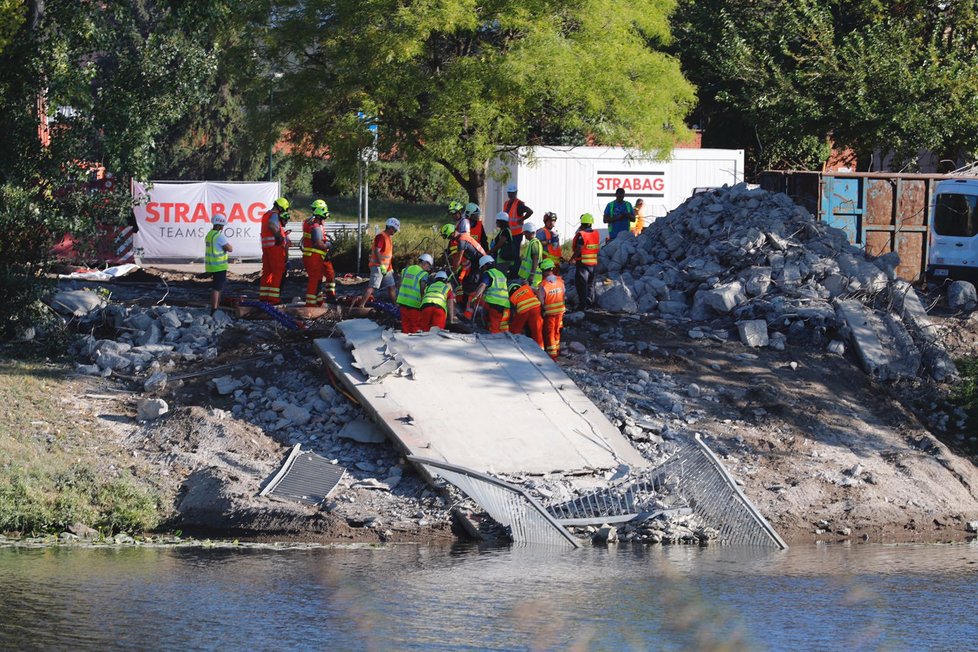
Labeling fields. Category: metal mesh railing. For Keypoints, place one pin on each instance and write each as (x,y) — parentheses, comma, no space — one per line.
(693,477)
(508,505)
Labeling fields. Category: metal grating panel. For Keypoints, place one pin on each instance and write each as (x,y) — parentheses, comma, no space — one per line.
(305,478)
(508,505)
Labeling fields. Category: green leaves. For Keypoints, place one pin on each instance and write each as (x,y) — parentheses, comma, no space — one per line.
(894,78)
(450,81)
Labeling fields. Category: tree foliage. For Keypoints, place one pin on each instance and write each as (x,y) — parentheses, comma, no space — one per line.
(449,81)
(894,77)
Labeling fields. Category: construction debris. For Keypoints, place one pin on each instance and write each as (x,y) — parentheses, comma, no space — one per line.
(746,256)
(425,389)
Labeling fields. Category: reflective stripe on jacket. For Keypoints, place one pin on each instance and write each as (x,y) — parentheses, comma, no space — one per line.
(307,249)
(496,294)
(527,269)
(512,208)
(553,297)
(551,244)
(590,244)
(410,292)
(524,299)
(268,233)
(437,295)
(383,259)
(215,258)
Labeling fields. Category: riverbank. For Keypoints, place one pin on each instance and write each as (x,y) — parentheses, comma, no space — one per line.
(182,435)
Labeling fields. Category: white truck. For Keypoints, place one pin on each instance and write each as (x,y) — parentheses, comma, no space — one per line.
(953,246)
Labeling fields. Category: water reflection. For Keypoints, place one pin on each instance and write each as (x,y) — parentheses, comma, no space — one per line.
(466,597)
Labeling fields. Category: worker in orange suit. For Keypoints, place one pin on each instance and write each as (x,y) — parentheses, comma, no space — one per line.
(551,295)
(315,255)
(274,251)
(525,313)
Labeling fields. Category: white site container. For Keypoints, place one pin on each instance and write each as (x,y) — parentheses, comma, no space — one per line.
(574,180)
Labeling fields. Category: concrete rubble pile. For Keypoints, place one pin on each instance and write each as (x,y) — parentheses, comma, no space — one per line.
(751,262)
(148,340)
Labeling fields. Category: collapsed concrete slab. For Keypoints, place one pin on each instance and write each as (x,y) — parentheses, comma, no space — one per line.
(885,349)
(492,403)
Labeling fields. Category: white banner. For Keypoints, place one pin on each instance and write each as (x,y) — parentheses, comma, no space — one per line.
(173,218)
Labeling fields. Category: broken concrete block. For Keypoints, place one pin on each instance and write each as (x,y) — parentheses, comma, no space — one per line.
(88,369)
(615,298)
(362,431)
(148,409)
(299,416)
(674,308)
(328,394)
(723,298)
(777,341)
(753,332)
(836,284)
(885,349)
(170,320)
(577,347)
(155,383)
(756,280)
(962,296)
(837,347)
(76,303)
(226,384)
(111,361)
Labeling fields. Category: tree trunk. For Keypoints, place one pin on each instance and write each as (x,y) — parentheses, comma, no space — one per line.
(475,186)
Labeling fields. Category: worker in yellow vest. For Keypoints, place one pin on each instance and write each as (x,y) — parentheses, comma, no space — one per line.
(438,304)
(551,295)
(413,282)
(492,292)
(532,255)
(216,248)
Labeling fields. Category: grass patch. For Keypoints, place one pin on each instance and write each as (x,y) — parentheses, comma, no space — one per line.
(344,209)
(56,465)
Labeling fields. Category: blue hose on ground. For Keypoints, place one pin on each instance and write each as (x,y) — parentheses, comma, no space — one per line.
(286,320)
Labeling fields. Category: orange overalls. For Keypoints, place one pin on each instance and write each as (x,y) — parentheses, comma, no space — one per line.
(553,313)
(317,267)
(526,313)
(273,260)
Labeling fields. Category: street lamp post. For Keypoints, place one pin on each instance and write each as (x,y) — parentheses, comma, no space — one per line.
(275,76)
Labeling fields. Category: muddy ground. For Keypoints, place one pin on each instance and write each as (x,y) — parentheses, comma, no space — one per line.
(823,451)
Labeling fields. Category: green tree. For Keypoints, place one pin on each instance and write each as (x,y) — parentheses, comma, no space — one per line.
(782,77)
(452,81)
(104,81)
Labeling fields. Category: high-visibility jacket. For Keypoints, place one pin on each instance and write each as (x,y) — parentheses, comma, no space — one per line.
(382,259)
(551,244)
(412,279)
(268,232)
(527,270)
(512,208)
(215,258)
(437,295)
(505,253)
(496,293)
(478,232)
(553,295)
(524,299)
(307,249)
(590,243)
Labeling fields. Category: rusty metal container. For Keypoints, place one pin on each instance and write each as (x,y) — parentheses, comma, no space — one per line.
(879,211)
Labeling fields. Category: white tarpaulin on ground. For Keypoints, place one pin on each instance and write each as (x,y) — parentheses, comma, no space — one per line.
(174,217)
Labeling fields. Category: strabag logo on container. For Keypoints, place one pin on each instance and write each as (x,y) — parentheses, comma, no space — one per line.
(636,183)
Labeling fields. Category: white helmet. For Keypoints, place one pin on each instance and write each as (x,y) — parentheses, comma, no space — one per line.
(462,226)
(529,227)
(471,209)
(511,187)
(394,223)
(441,276)
(426,258)
(502,216)
(219,219)
(486,260)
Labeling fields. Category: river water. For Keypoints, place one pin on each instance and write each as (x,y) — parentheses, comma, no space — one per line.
(863,597)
